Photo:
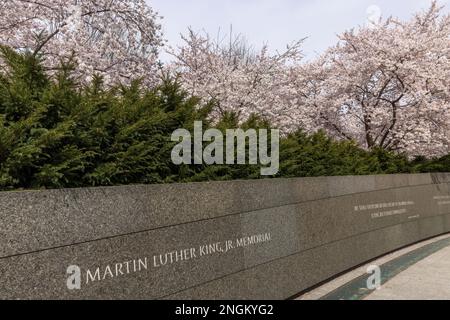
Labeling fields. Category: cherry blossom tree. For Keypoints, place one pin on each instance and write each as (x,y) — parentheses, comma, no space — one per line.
(386,86)
(118,39)
(238,79)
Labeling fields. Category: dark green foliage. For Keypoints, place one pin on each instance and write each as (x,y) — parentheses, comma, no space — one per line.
(55,133)
(433,165)
(303,155)
(232,172)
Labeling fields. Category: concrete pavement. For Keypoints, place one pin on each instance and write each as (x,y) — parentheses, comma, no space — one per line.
(428,279)
(418,272)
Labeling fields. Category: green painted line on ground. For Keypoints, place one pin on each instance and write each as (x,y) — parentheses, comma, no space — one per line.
(357,288)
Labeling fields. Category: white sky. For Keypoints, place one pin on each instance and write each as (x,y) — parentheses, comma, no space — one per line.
(278,22)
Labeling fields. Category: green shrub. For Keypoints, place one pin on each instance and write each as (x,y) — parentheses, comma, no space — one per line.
(433,165)
(303,155)
(55,133)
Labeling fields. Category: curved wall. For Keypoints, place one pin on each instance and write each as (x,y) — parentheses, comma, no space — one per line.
(263,239)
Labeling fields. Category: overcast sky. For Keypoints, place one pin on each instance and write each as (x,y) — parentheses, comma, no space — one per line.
(279,22)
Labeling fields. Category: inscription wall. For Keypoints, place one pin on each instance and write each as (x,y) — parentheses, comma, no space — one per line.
(264,239)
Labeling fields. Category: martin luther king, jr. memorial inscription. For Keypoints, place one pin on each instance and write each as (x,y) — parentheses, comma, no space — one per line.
(263,239)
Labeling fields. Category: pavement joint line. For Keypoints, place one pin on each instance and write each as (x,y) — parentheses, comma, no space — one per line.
(356,289)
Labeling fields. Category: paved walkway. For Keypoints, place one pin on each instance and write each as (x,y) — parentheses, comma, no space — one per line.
(426,279)
(421,271)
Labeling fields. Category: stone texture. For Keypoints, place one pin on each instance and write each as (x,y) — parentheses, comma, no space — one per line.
(315,232)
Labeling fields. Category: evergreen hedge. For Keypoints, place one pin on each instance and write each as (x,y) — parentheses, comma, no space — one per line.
(55,133)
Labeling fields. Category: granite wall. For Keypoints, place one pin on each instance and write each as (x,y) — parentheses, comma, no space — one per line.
(264,239)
